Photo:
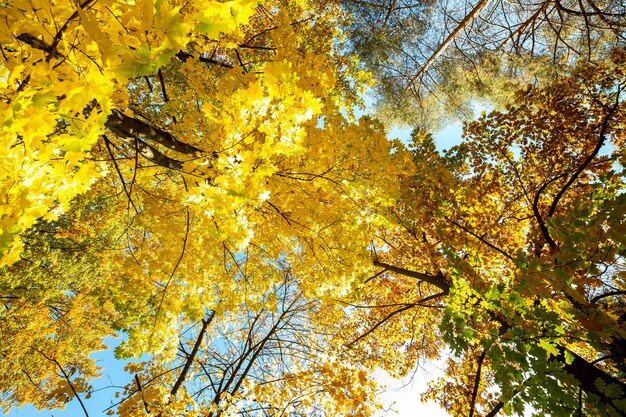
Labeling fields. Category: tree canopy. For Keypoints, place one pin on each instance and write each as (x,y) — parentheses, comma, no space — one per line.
(433,59)
(189,176)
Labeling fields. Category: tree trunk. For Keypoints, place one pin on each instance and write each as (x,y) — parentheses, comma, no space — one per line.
(467,20)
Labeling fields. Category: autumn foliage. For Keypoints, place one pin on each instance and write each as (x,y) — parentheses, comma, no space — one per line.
(188,176)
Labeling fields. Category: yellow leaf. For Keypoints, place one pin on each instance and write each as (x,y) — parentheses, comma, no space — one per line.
(93,29)
(224,17)
(148,16)
(168,19)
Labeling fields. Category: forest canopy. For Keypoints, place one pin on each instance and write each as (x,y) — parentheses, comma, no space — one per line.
(189,178)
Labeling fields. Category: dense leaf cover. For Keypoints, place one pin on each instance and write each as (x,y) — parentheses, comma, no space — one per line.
(188,176)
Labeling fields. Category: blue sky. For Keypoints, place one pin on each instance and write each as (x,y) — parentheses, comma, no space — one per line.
(104,387)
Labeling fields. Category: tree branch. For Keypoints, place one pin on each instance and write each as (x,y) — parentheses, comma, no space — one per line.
(129,126)
(192,355)
(395,312)
(149,152)
(481,238)
(380,323)
(587,375)
(477,382)
(607,294)
(107,143)
(67,378)
(59,35)
(467,20)
(145,404)
(542,225)
(495,410)
(184,56)
(438,280)
(587,161)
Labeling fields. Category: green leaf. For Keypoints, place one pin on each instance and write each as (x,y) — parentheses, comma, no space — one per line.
(548,347)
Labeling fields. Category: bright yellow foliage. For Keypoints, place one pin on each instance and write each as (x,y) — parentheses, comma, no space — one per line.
(193,154)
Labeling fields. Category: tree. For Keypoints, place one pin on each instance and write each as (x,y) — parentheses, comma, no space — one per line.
(510,254)
(56,311)
(268,361)
(186,174)
(432,60)
(159,159)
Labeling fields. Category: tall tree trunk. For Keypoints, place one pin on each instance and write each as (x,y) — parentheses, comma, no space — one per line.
(467,20)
